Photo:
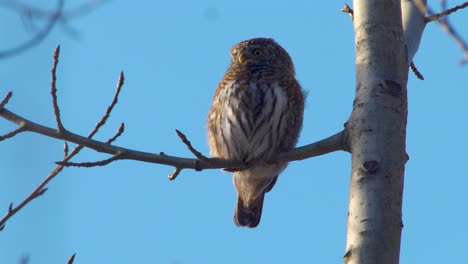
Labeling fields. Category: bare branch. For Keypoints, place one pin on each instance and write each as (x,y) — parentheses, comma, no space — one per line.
(12,133)
(71,259)
(174,174)
(315,149)
(89,164)
(318,148)
(59,15)
(16,131)
(26,125)
(53,91)
(195,152)
(42,191)
(339,141)
(106,115)
(347,9)
(24,259)
(450,29)
(34,194)
(28,10)
(333,143)
(6,99)
(65,149)
(434,17)
(38,37)
(118,134)
(464,60)
(416,71)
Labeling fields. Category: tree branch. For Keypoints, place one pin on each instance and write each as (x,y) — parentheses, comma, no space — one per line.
(38,37)
(315,149)
(59,15)
(53,91)
(26,125)
(433,17)
(12,133)
(89,164)
(449,28)
(5,99)
(71,259)
(118,134)
(416,71)
(333,143)
(195,152)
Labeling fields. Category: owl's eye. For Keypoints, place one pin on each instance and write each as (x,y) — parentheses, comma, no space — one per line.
(258,52)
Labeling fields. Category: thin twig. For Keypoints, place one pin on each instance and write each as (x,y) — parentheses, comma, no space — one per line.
(333,143)
(27,125)
(347,9)
(29,10)
(40,190)
(53,91)
(90,164)
(434,17)
(6,99)
(450,29)
(12,133)
(118,134)
(59,15)
(109,109)
(416,71)
(71,259)
(65,149)
(195,152)
(38,37)
(174,174)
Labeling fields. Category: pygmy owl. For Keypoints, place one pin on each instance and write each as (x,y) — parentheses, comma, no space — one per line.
(256,113)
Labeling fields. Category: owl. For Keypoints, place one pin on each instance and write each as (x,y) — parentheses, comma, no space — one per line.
(256,113)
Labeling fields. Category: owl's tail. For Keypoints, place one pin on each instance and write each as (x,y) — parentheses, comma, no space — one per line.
(249,215)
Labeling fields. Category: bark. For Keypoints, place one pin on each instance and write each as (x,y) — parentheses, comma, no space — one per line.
(414,22)
(376,134)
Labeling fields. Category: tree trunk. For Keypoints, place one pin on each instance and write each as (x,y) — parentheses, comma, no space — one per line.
(376,132)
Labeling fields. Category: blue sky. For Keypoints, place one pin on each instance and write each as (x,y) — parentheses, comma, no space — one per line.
(173,54)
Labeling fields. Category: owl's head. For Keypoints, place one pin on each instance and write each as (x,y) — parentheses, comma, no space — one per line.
(261,56)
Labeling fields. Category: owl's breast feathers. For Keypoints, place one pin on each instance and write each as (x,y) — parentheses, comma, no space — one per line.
(255,120)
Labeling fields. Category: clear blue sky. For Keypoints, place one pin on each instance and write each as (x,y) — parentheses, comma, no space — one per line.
(173,54)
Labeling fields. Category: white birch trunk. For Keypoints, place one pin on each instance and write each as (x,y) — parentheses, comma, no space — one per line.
(376,133)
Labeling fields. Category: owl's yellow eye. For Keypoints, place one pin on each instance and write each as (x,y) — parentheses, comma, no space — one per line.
(258,52)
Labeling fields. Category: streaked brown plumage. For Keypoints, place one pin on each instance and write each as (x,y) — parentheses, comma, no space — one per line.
(257,113)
